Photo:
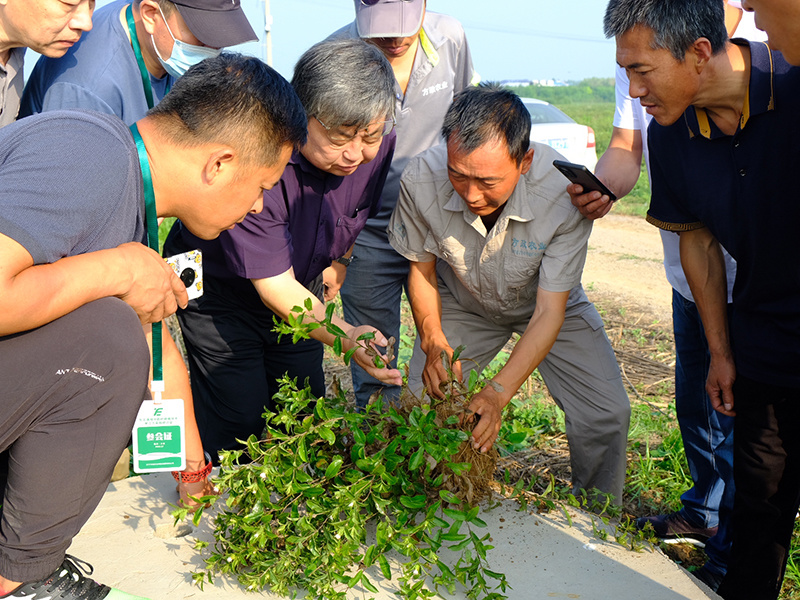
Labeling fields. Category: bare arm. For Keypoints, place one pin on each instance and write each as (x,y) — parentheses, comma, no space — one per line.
(618,168)
(32,295)
(426,306)
(283,292)
(704,266)
(530,350)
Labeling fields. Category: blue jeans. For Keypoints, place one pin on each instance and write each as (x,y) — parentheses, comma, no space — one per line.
(707,434)
(371,296)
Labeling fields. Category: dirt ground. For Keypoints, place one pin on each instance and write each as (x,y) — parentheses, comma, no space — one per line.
(624,269)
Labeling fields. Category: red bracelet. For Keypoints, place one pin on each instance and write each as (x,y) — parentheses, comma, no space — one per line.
(194,476)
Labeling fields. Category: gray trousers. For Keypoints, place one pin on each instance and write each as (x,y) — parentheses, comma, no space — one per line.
(580,371)
(70,393)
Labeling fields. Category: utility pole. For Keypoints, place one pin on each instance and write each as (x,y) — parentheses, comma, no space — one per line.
(268,33)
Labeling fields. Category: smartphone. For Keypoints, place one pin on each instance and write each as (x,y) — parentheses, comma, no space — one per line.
(582,176)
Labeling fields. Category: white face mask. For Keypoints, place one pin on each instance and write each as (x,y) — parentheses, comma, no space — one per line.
(183,55)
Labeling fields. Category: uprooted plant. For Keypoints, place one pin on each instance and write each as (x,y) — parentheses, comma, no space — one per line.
(299,501)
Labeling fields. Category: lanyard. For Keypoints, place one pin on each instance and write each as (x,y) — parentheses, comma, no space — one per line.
(137,51)
(151,221)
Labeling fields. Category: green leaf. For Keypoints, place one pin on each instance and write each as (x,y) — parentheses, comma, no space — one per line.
(454,537)
(308,304)
(516,438)
(368,584)
(385,568)
(449,497)
(416,459)
(349,354)
(327,435)
(337,343)
(334,468)
(329,311)
(301,450)
(413,501)
(368,335)
(455,515)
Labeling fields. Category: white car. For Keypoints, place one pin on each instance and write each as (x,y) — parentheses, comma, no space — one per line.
(552,127)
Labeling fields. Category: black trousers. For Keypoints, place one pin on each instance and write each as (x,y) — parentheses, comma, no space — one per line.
(235,360)
(766,466)
(70,393)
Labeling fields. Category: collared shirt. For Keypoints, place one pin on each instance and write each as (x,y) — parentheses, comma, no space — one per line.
(442,68)
(539,240)
(742,188)
(98,73)
(310,218)
(11,86)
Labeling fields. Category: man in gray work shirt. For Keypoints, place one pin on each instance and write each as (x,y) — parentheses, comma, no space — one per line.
(496,248)
(431,62)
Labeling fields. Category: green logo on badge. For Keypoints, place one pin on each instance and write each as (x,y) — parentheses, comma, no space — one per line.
(158,412)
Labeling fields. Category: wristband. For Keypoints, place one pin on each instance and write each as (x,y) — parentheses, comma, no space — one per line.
(194,476)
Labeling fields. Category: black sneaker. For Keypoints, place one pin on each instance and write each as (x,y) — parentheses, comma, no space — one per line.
(674,529)
(68,583)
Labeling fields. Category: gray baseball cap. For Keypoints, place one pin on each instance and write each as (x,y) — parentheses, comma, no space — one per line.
(389,18)
(216,23)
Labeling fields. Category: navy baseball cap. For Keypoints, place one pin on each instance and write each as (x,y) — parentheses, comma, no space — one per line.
(216,23)
(389,18)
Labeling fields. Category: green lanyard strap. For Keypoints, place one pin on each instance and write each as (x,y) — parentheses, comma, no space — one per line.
(151,221)
(137,51)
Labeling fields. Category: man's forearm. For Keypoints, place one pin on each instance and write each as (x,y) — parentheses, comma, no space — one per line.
(621,163)
(426,305)
(33,295)
(704,266)
(534,344)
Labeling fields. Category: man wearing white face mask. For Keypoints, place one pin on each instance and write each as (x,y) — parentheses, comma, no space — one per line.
(134,54)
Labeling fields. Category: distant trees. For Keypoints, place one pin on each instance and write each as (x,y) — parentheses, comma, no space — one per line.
(594,89)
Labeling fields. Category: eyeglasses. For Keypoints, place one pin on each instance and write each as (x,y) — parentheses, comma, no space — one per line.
(374,2)
(340,138)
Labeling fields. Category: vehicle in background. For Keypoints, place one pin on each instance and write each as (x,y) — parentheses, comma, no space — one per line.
(551,126)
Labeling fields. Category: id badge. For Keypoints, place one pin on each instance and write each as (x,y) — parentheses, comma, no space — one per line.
(159,443)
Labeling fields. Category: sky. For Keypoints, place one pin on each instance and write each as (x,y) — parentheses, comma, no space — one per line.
(509,39)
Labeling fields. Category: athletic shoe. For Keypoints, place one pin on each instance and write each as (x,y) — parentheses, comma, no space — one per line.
(674,529)
(68,583)
(711,578)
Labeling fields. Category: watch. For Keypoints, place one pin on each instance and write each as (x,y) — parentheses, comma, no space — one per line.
(344,261)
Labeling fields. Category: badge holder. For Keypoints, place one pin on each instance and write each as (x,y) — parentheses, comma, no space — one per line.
(159,441)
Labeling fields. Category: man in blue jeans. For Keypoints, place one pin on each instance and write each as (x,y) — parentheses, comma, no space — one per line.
(707,435)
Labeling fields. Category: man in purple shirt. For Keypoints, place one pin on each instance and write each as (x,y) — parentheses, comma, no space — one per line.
(293,250)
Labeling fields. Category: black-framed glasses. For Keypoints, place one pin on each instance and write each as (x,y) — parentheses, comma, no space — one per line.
(369,136)
(374,2)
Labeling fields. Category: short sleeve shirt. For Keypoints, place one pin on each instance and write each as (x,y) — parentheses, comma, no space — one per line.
(442,68)
(309,219)
(539,241)
(98,73)
(741,187)
(71,184)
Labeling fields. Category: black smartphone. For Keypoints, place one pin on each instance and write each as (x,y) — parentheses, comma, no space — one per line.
(582,176)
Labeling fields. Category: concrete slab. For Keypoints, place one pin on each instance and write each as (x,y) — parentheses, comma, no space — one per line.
(133,546)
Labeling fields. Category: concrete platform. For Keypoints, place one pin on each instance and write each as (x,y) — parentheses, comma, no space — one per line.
(133,546)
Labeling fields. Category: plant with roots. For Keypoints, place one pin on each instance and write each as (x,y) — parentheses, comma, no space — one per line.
(332,498)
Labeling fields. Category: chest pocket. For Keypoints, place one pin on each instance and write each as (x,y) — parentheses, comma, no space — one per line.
(520,276)
(346,231)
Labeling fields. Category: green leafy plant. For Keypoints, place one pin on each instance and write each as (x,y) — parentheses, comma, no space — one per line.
(332,498)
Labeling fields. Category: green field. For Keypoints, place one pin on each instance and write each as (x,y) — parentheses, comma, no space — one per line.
(599,115)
